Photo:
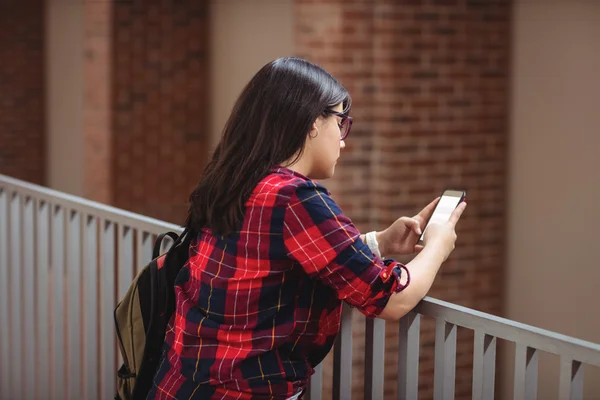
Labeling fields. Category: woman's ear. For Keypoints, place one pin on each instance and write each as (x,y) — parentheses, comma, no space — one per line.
(314,131)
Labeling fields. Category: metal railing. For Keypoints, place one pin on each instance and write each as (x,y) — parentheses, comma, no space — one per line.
(64,262)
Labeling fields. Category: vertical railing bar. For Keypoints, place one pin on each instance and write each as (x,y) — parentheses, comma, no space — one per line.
(408,356)
(374,358)
(73,279)
(519,378)
(16,316)
(58,244)
(125,249)
(439,353)
(315,385)
(571,379)
(526,372)
(43,310)
(478,350)
(107,304)
(9,278)
(489,366)
(125,253)
(139,251)
(28,293)
(566,370)
(342,363)
(143,249)
(90,275)
(484,365)
(445,360)
(20,320)
(74,263)
(450,361)
(4,294)
(577,380)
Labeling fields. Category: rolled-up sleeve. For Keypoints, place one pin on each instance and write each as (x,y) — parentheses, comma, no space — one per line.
(327,245)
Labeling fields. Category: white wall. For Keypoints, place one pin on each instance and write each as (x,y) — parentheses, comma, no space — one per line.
(553,274)
(64,95)
(245,35)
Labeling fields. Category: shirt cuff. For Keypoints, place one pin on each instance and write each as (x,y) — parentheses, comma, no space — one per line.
(393,270)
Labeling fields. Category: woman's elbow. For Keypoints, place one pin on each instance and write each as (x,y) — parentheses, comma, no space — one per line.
(394,312)
(400,304)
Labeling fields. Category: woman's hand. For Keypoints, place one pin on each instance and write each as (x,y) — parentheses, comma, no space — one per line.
(442,237)
(439,243)
(402,236)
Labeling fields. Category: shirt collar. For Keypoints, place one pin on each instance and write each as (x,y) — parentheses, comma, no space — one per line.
(287,171)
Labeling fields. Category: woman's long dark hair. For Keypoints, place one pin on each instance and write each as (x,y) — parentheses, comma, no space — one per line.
(268,126)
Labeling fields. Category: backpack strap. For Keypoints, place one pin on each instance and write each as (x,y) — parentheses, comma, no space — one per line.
(177,254)
(162,286)
(162,297)
(159,239)
(163,282)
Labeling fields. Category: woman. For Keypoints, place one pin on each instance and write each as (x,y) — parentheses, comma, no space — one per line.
(258,304)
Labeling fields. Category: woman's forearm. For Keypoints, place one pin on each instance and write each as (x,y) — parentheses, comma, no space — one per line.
(423,269)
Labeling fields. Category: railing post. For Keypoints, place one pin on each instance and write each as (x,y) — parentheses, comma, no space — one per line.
(374,358)
(125,252)
(143,252)
(484,366)
(90,279)
(15,232)
(408,356)
(315,385)
(571,379)
(28,295)
(74,261)
(108,362)
(57,238)
(526,373)
(445,360)
(342,363)
(42,250)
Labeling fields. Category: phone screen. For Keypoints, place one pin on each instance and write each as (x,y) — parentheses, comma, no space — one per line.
(448,202)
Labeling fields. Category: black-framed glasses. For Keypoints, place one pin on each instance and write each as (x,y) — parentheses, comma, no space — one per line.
(345,124)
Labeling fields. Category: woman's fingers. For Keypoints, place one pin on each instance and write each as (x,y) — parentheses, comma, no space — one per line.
(424,215)
(455,216)
(413,224)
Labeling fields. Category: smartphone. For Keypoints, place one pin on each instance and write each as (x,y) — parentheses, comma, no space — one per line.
(449,200)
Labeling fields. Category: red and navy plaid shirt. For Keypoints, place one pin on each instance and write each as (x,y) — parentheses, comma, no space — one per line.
(258,309)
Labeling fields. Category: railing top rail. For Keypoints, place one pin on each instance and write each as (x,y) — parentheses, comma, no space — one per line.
(541,339)
(89,207)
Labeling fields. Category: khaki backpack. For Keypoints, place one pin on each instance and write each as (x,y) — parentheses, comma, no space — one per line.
(141,317)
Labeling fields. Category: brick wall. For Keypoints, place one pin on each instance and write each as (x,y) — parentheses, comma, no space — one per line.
(147,104)
(159,104)
(429,81)
(22,143)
